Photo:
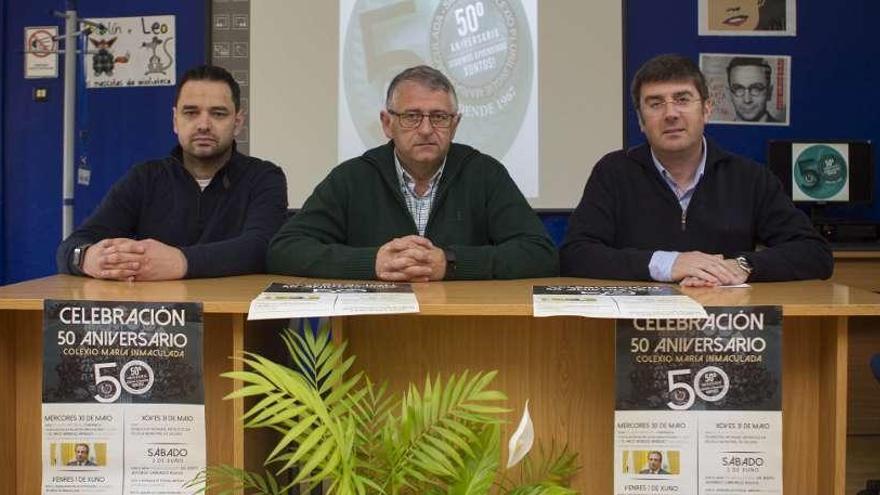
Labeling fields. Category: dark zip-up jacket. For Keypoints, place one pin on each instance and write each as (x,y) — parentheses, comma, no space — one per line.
(223,230)
(627,212)
(479,214)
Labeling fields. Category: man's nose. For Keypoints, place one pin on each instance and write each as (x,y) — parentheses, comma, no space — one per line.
(671,111)
(204,122)
(747,96)
(425,126)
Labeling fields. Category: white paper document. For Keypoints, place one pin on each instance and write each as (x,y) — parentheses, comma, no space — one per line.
(614,302)
(332,299)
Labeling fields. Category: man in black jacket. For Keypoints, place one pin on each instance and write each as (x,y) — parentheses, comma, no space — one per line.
(204,211)
(681,209)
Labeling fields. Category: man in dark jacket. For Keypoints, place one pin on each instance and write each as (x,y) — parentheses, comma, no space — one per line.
(204,211)
(681,209)
(419,208)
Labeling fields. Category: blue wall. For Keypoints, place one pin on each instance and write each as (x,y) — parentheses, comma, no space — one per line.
(835,73)
(2,99)
(124,126)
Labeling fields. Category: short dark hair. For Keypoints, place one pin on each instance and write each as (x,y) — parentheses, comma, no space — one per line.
(666,68)
(210,73)
(656,452)
(425,76)
(749,61)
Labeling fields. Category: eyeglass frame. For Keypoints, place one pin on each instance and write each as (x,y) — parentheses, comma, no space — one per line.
(739,90)
(431,116)
(683,103)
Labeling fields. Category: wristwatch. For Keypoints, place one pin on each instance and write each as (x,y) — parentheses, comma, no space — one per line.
(79,257)
(744,264)
(450,264)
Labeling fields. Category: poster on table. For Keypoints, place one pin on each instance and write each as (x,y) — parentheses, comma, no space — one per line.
(699,404)
(126,52)
(487,48)
(123,398)
(317,299)
(628,301)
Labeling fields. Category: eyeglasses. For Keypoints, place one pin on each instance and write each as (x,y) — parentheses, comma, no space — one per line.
(411,120)
(739,90)
(682,103)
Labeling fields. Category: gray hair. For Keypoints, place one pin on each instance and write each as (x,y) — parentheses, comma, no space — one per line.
(423,75)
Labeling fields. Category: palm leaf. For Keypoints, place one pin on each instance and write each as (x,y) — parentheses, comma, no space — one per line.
(477,474)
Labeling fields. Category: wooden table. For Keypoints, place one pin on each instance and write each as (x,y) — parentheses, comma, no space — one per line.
(564,365)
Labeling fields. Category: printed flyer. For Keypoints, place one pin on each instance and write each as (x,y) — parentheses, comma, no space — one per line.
(308,300)
(629,301)
(699,404)
(123,399)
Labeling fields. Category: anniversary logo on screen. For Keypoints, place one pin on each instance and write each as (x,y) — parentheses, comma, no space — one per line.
(122,352)
(730,361)
(485,47)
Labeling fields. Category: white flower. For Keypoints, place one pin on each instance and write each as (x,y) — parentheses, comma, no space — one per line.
(522,439)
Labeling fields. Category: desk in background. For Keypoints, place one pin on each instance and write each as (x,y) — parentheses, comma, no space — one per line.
(564,365)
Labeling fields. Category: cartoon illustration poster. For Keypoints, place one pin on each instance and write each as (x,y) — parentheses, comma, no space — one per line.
(699,404)
(125,52)
(747,17)
(123,398)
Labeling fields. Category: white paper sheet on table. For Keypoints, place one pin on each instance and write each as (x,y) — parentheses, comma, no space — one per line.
(332,299)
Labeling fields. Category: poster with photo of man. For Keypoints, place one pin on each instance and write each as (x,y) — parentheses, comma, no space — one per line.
(748,89)
(747,17)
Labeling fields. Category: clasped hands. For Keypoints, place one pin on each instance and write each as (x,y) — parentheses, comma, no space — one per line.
(128,259)
(698,269)
(410,259)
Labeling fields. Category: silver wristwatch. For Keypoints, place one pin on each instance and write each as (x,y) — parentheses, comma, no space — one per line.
(79,257)
(744,264)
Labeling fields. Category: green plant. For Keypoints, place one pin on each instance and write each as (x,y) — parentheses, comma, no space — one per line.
(353,437)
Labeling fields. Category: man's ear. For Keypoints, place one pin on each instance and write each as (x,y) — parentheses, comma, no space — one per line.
(385,119)
(239,122)
(174,119)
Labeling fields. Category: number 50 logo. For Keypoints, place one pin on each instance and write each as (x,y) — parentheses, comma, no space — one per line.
(135,377)
(710,384)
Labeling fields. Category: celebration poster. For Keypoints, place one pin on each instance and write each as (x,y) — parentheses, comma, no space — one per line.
(123,399)
(699,404)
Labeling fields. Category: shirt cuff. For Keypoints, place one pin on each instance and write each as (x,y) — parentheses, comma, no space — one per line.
(660,265)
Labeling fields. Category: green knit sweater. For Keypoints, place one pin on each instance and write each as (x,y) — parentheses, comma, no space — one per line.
(478,213)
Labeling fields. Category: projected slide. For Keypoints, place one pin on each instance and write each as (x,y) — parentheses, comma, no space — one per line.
(487,48)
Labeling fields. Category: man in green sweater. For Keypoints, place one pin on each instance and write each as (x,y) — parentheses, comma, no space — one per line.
(418,208)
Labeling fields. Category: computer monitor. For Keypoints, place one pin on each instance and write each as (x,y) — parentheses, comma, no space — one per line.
(824,172)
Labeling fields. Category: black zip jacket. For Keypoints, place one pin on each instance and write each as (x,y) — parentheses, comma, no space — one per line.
(223,230)
(627,212)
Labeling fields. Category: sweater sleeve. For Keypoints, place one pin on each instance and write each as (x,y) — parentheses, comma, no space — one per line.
(518,247)
(794,250)
(312,243)
(587,250)
(246,252)
(116,216)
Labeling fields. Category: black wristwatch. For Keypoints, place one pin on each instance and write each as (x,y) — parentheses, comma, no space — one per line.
(450,264)
(79,257)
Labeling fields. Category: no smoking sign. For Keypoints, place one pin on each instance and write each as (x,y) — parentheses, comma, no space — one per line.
(41,55)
